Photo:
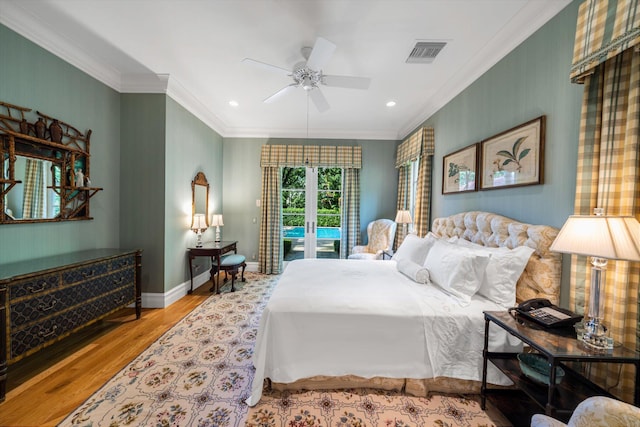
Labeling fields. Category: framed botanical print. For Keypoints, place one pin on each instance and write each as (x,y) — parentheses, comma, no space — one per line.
(459,170)
(515,157)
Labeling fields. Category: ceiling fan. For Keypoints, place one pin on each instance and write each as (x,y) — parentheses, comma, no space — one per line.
(308,74)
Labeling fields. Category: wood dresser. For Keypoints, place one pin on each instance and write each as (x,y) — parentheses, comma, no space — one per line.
(44,300)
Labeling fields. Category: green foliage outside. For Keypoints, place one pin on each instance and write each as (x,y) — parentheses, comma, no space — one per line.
(294,217)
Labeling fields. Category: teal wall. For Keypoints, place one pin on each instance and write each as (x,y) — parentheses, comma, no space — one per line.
(533,80)
(141,189)
(242,184)
(33,78)
(191,147)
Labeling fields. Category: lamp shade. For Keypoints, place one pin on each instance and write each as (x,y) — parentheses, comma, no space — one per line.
(216,220)
(601,236)
(403,217)
(199,222)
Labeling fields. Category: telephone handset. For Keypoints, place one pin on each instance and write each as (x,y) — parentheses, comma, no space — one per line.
(541,311)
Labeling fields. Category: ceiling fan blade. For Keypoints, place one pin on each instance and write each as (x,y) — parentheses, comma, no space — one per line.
(318,99)
(280,93)
(347,81)
(266,66)
(320,54)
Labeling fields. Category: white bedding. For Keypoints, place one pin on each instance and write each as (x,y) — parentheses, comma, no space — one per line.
(364,318)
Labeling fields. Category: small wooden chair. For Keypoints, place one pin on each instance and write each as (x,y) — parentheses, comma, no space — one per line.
(231,264)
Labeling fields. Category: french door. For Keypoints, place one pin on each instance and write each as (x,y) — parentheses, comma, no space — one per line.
(311,212)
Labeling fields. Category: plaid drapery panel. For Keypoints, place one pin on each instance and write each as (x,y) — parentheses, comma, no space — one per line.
(33,203)
(418,146)
(274,157)
(350,236)
(608,176)
(270,251)
(605,29)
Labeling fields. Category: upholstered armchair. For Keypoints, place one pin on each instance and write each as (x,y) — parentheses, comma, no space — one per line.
(380,235)
(597,411)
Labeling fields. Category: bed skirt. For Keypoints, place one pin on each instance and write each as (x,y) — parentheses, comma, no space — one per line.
(410,386)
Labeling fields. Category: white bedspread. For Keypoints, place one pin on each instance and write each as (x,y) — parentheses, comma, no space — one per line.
(364,318)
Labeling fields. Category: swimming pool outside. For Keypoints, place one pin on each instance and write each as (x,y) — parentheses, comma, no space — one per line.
(329,233)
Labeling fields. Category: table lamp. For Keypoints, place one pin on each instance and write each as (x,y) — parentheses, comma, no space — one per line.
(198,227)
(403,217)
(602,237)
(216,220)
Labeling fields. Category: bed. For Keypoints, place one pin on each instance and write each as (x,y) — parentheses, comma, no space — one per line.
(412,324)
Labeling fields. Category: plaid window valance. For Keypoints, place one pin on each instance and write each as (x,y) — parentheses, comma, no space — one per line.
(422,141)
(347,157)
(605,29)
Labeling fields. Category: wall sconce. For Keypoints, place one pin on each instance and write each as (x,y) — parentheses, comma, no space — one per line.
(216,219)
(198,227)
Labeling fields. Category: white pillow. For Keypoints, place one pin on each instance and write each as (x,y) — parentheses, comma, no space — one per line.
(502,273)
(456,269)
(414,248)
(413,271)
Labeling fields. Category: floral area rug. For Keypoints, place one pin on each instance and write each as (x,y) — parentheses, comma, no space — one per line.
(199,373)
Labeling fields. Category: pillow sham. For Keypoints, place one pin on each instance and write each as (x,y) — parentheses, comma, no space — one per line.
(413,271)
(414,248)
(503,271)
(456,269)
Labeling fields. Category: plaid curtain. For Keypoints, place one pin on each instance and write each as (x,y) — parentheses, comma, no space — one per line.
(34,199)
(270,251)
(609,165)
(274,157)
(422,215)
(350,236)
(419,147)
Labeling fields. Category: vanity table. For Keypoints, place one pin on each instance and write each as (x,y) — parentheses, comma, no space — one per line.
(213,250)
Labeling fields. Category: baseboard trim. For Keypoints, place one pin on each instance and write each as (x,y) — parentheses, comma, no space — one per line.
(163,300)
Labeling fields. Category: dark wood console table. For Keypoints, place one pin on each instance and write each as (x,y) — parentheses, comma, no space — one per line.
(557,400)
(46,299)
(213,250)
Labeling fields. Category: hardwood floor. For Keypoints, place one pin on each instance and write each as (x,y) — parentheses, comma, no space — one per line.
(45,387)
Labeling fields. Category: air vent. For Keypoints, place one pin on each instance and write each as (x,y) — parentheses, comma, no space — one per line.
(425,52)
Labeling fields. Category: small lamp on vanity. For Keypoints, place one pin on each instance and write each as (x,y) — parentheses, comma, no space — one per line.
(216,220)
(601,237)
(403,217)
(198,227)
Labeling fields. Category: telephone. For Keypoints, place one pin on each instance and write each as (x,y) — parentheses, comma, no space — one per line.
(541,311)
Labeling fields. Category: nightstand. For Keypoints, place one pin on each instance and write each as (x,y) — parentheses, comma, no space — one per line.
(557,400)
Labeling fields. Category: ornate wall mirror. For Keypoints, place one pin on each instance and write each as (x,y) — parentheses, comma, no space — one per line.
(45,168)
(200,197)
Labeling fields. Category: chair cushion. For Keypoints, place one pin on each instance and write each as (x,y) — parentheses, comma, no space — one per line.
(230,260)
(364,255)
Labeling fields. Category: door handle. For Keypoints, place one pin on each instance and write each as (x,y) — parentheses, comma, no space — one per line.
(313,228)
(307,227)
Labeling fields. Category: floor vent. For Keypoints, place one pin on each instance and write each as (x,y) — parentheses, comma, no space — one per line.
(425,52)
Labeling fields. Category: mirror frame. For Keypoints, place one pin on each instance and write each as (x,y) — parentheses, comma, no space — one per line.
(46,138)
(200,179)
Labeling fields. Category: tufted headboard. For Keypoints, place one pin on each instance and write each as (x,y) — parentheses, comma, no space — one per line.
(541,276)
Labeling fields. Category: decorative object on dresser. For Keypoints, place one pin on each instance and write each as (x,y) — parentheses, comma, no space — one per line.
(54,159)
(601,237)
(46,299)
(514,157)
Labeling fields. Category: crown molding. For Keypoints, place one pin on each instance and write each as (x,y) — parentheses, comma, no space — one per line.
(520,28)
(41,33)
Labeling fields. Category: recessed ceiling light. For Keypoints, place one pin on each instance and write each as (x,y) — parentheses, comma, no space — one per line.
(391,104)
(233,103)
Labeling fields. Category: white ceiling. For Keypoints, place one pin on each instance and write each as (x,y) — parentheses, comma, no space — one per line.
(193,51)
